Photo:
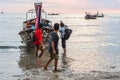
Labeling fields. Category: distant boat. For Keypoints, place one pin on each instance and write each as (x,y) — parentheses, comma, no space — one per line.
(2,12)
(90,16)
(93,16)
(53,13)
(99,15)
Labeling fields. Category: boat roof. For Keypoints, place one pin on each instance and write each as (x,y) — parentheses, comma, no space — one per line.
(31,11)
(29,20)
(34,19)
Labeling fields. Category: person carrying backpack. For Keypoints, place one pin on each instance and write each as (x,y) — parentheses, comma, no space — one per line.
(63,40)
(65,35)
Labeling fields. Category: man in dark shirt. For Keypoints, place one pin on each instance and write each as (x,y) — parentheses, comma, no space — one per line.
(53,47)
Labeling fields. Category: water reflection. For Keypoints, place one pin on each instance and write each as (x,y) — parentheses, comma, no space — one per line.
(28,59)
(34,66)
(93,45)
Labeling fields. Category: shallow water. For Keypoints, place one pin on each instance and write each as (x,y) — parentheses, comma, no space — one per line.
(93,50)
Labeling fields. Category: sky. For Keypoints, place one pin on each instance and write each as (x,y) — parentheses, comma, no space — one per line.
(62,6)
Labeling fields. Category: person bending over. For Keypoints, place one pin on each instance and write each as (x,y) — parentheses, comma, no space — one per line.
(38,41)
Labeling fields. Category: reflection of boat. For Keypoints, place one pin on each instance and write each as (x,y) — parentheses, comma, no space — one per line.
(27,32)
(53,14)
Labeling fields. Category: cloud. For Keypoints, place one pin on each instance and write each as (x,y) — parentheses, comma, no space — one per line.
(63,6)
(15,8)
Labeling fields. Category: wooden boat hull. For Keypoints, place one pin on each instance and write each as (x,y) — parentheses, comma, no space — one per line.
(26,36)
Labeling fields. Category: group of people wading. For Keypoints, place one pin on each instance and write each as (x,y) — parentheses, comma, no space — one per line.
(53,43)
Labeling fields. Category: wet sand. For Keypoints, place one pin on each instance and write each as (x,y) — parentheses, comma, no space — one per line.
(32,69)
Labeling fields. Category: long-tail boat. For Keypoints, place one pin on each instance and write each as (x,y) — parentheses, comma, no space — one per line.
(27,32)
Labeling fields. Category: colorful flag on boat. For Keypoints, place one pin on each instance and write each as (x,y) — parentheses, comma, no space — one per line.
(38,7)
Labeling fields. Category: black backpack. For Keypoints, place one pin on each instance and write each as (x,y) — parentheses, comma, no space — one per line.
(68,32)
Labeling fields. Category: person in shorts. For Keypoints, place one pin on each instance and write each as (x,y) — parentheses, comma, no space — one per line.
(53,47)
(38,41)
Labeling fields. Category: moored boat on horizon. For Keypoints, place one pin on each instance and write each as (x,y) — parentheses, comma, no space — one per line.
(99,15)
(53,13)
(2,12)
(90,16)
(93,16)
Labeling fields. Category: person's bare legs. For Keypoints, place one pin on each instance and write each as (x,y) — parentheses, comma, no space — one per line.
(64,46)
(56,64)
(42,51)
(64,50)
(64,53)
(36,51)
(45,68)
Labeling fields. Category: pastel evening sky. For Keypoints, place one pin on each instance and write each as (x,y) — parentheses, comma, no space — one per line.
(62,6)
